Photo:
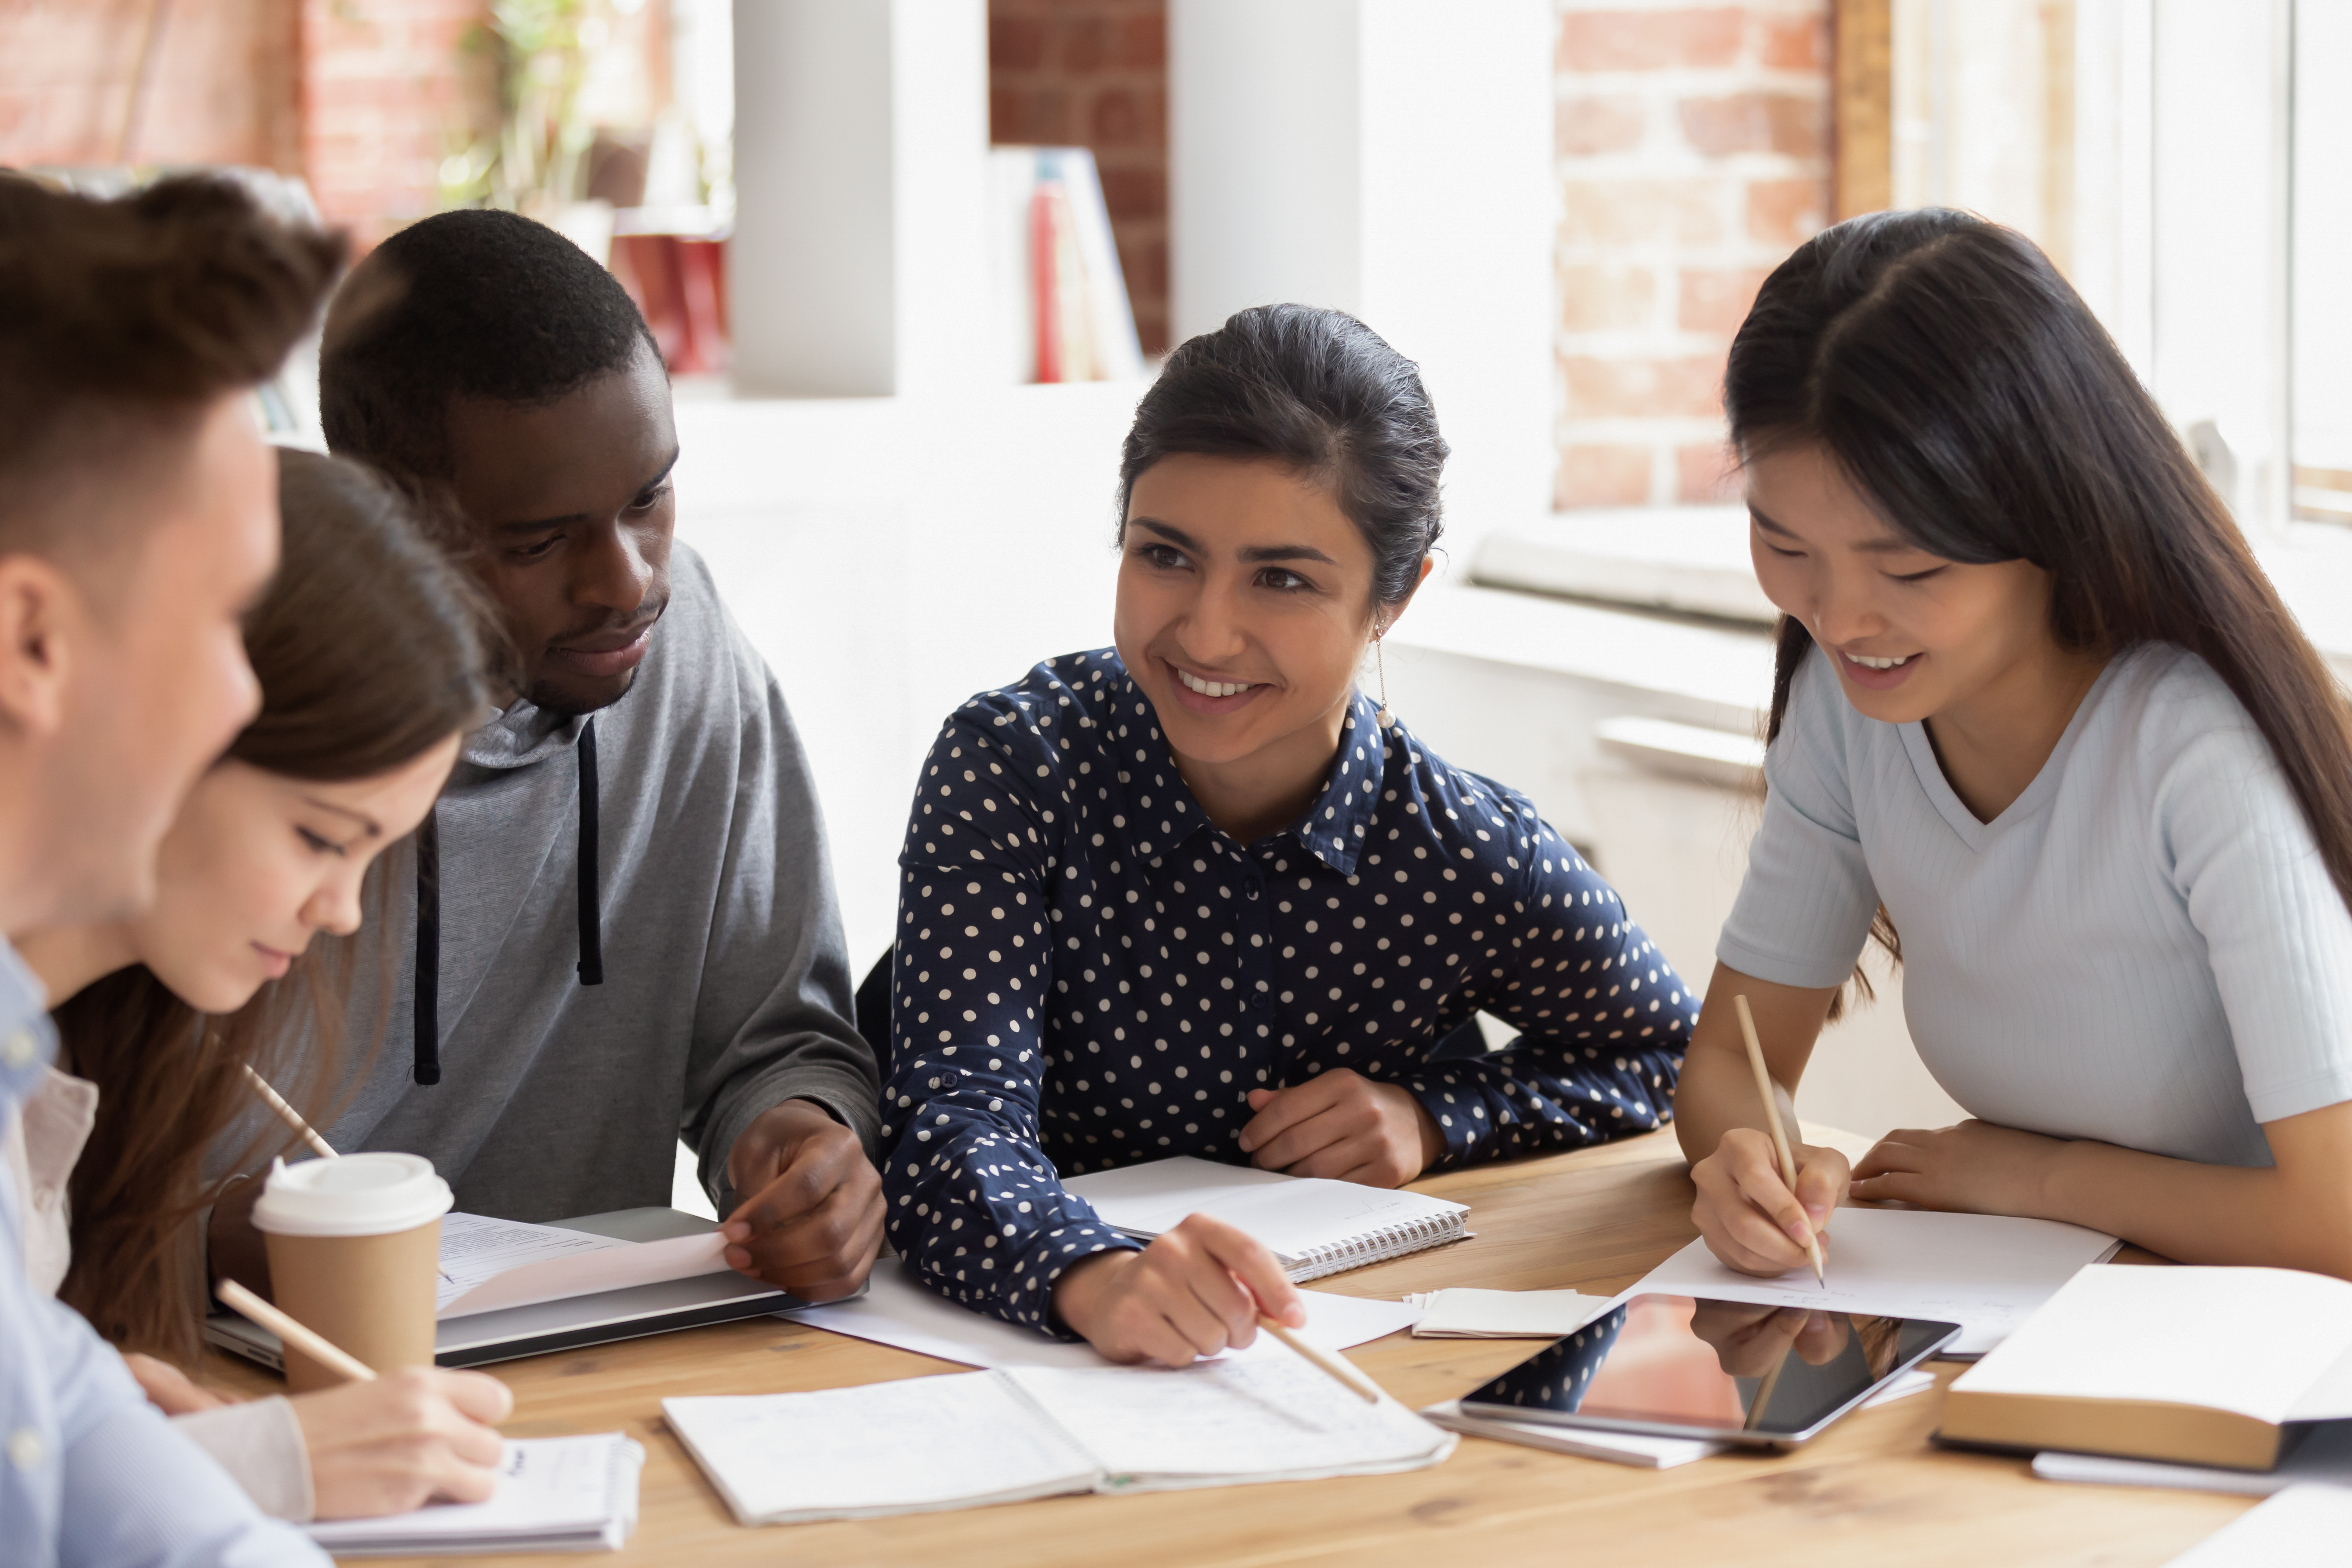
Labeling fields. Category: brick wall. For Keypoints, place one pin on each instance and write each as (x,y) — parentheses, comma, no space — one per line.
(387,92)
(1094,74)
(144,81)
(1693,147)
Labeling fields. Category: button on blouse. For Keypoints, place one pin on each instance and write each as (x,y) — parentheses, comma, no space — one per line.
(1089,974)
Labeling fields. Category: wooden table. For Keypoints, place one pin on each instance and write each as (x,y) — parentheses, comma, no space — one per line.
(1870,1492)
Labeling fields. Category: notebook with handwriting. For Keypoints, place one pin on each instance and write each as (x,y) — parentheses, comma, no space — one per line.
(1316,1227)
(554,1494)
(966,1439)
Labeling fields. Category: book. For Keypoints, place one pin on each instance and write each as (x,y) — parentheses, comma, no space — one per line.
(2321,1452)
(1314,1225)
(554,1494)
(968,1439)
(1062,307)
(2197,1366)
(1460,1314)
(1986,1272)
(490,1264)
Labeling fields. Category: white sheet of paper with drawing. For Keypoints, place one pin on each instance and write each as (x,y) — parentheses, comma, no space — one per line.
(897,1310)
(486,1264)
(968,1438)
(1985,1272)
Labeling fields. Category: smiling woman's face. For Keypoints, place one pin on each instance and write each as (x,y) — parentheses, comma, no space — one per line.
(1912,635)
(256,863)
(1245,603)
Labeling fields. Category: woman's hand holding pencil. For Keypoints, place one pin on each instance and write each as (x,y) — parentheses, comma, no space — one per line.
(1764,1199)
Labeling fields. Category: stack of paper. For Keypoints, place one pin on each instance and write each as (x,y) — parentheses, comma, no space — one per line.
(971,1438)
(1986,1272)
(1460,1314)
(555,1494)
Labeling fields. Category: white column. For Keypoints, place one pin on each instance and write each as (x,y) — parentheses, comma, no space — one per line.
(858,264)
(1392,159)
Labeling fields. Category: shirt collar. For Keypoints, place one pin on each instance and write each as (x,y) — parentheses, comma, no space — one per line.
(1333,829)
(27,1042)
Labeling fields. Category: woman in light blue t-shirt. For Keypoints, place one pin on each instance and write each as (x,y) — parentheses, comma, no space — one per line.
(2042,727)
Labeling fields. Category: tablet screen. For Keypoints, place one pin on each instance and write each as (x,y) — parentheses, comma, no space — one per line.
(1730,1368)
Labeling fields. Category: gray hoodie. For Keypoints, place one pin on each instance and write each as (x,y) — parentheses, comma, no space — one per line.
(726,987)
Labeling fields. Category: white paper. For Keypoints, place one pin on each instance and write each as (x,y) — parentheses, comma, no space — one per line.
(1986,1272)
(1219,1421)
(2322,1456)
(552,1491)
(2303,1525)
(897,1311)
(1292,1216)
(1504,1314)
(907,1447)
(2248,1341)
(486,1264)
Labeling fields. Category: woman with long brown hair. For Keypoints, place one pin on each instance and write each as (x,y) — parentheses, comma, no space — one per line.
(2039,724)
(367,650)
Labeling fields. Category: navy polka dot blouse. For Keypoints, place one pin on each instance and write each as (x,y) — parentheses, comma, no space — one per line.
(1088,974)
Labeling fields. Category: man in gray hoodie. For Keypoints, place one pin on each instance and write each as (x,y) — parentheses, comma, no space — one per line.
(622,929)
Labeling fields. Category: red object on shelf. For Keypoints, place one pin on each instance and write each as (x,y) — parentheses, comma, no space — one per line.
(680,286)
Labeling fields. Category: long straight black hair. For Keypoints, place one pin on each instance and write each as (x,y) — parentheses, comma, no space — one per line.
(1966,390)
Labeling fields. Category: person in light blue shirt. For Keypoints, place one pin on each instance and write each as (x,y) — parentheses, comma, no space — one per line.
(138,519)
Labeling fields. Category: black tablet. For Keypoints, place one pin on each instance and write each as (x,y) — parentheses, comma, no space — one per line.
(1731,1371)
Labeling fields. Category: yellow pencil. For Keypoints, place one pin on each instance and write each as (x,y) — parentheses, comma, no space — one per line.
(310,1342)
(1772,1119)
(1363,1387)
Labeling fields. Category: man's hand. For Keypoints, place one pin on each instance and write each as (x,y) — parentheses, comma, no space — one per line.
(812,1221)
(1974,1168)
(1747,1213)
(1342,1124)
(1195,1290)
(403,1440)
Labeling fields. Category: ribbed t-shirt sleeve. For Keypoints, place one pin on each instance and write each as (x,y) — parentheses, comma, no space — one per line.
(2277,931)
(1805,905)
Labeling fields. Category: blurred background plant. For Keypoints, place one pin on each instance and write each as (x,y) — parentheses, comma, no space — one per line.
(535,159)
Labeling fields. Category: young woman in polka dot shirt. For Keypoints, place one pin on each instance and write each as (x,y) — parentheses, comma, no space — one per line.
(1196,896)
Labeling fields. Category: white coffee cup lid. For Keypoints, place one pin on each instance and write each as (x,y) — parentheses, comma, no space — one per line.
(358,1195)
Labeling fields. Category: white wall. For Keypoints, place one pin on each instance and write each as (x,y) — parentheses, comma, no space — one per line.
(1392,159)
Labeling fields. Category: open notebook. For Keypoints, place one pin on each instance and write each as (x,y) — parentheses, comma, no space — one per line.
(1315,1227)
(966,1439)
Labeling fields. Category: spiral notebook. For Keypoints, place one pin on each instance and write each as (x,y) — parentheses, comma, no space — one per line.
(1316,1227)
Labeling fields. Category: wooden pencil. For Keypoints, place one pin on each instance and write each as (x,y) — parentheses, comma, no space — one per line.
(286,1113)
(1772,1121)
(1342,1370)
(311,1343)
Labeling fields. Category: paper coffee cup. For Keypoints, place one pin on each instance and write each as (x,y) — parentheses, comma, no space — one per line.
(355,1253)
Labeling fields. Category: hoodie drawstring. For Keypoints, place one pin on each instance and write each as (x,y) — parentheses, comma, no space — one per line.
(428,912)
(428,949)
(592,929)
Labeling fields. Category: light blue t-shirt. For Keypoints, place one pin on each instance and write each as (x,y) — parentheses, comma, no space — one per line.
(2145,949)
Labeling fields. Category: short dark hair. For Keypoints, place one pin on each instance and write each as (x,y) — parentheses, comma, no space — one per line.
(473,303)
(135,313)
(1322,393)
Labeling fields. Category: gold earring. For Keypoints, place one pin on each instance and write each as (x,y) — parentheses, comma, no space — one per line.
(1383,717)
